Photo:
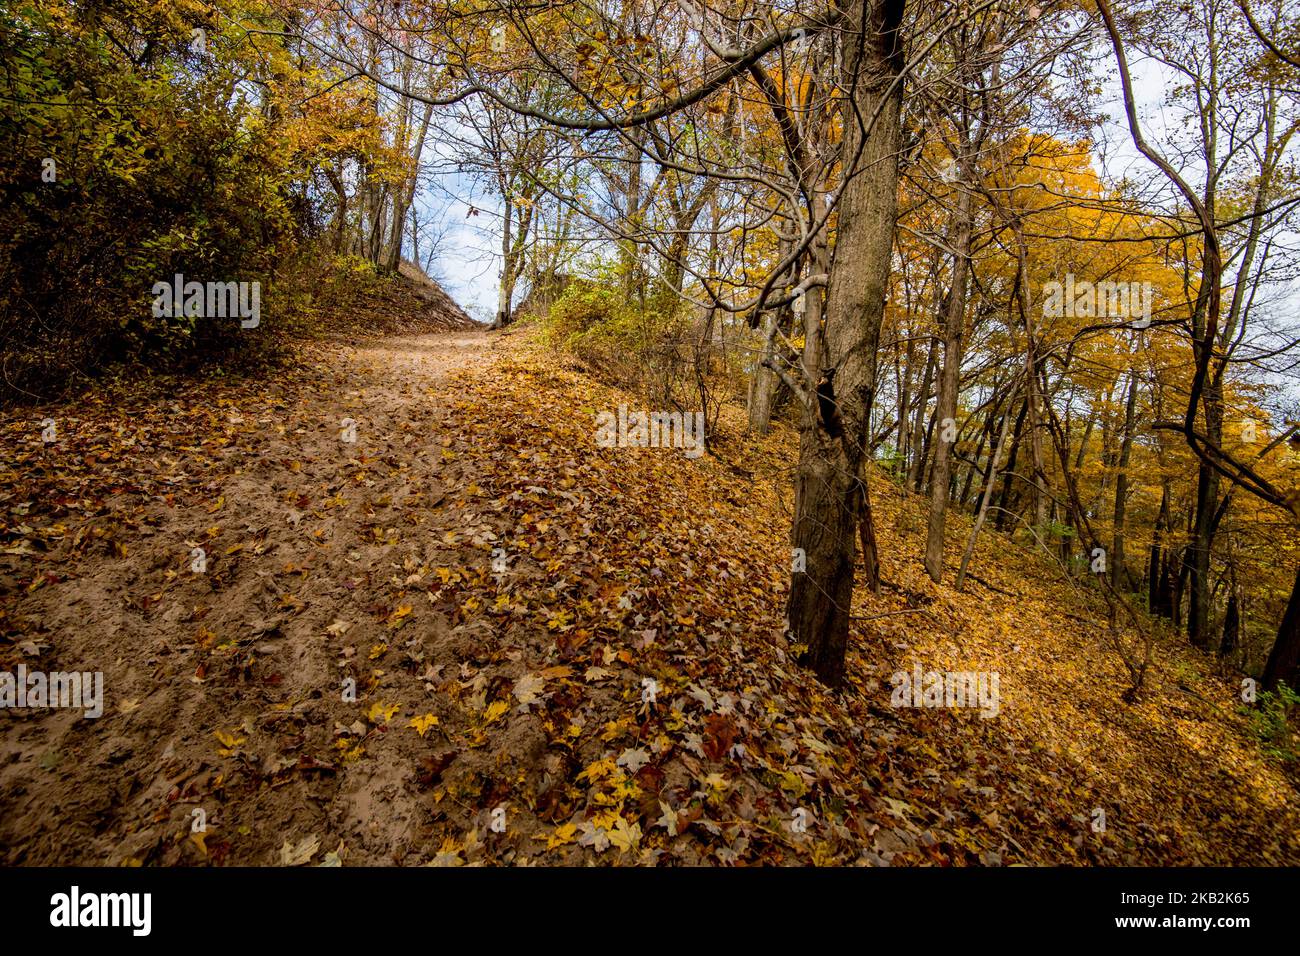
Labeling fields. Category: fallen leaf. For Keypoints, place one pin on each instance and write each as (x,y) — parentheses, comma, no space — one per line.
(422,724)
(527,688)
(291,855)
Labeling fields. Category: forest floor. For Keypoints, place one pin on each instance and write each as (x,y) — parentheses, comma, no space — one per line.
(478,688)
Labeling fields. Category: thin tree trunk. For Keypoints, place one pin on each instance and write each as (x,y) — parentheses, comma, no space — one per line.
(908,375)
(1231,625)
(985,495)
(1207,500)
(1159,585)
(763,382)
(1004,502)
(1121,487)
(916,474)
(946,409)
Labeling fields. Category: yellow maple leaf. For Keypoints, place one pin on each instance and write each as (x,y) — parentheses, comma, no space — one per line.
(495,711)
(422,724)
(623,836)
(381,713)
(560,836)
(606,820)
(229,742)
(599,769)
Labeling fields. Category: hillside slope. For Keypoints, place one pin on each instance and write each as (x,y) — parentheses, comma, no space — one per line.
(501,590)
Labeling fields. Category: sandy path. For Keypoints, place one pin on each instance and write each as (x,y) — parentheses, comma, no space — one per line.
(224,690)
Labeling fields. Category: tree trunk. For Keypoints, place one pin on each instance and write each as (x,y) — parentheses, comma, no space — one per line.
(987,431)
(985,494)
(1207,500)
(1033,419)
(1180,589)
(916,474)
(763,381)
(954,329)
(1159,584)
(1121,488)
(1284,662)
(631,214)
(830,481)
(1004,503)
(867,534)
(908,370)
(405,195)
(1231,626)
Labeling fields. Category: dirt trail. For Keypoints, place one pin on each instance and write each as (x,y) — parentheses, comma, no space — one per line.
(227,691)
(224,689)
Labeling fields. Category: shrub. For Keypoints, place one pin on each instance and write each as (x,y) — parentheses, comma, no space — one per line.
(131,155)
(614,337)
(1271,720)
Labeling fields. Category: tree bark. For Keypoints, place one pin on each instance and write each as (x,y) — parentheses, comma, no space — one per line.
(763,382)
(985,494)
(1284,662)
(1121,487)
(1231,625)
(954,329)
(1159,583)
(830,482)
(1003,518)
(916,474)
(1207,500)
